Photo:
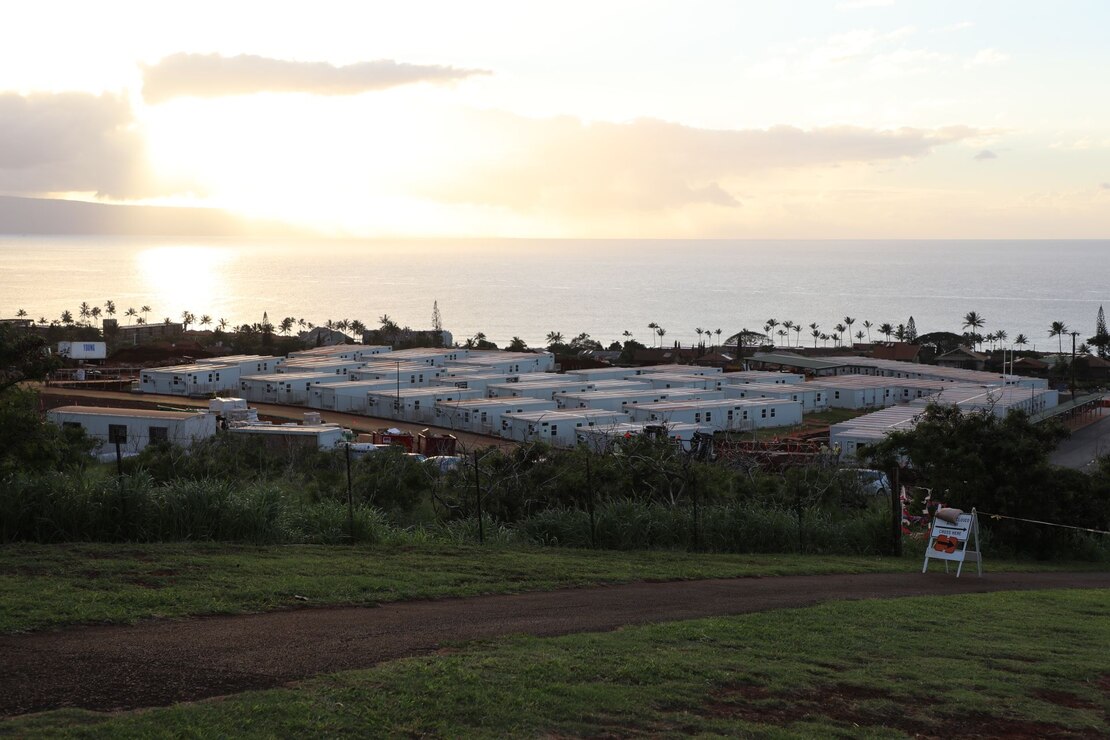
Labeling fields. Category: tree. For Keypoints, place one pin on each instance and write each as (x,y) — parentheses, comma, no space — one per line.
(1101,339)
(110,308)
(20,314)
(554,338)
(145,310)
(67,318)
(886,330)
(130,313)
(816,332)
(24,355)
(848,321)
(517,345)
(867,325)
(221,324)
(859,335)
(653,326)
(699,331)
(84,311)
(205,320)
(717,331)
(95,312)
(973,321)
(1058,330)
(661,332)
(1021,340)
(357,328)
(839,336)
(999,465)
(286,325)
(911,330)
(437,324)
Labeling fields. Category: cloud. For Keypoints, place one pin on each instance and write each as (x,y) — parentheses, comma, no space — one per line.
(565,166)
(863,4)
(213,75)
(51,143)
(988,58)
(985,154)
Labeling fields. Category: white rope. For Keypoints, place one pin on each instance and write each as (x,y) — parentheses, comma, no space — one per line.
(1037,521)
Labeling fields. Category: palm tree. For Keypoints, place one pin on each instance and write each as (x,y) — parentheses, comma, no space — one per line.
(145,310)
(140,321)
(1001,336)
(815,332)
(1021,340)
(83,311)
(990,338)
(357,328)
(840,329)
(973,321)
(849,321)
(286,325)
(110,308)
(788,325)
(660,331)
(221,324)
(130,313)
(859,335)
(770,327)
(886,330)
(44,322)
(205,319)
(824,339)
(900,333)
(67,318)
(867,325)
(782,333)
(554,337)
(20,313)
(797,334)
(95,312)
(653,326)
(1058,330)
(700,331)
(186,318)
(717,331)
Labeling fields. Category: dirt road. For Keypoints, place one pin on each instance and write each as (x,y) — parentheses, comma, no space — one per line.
(162,662)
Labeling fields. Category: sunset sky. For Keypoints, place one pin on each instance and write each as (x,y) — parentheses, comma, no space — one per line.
(839,119)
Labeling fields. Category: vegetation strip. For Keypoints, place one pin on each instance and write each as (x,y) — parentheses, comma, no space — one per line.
(160,663)
(1018,664)
(43,586)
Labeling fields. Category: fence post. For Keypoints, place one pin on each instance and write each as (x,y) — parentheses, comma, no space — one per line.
(590,501)
(896,513)
(478,499)
(350,499)
(122,491)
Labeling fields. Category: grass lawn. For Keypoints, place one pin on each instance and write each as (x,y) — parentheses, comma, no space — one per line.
(1030,664)
(45,586)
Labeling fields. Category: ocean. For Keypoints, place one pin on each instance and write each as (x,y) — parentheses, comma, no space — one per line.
(527,288)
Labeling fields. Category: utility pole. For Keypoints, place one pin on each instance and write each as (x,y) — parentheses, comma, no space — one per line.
(1073,335)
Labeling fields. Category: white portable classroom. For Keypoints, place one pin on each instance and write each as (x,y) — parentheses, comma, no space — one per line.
(349,397)
(189,380)
(483,415)
(538,389)
(135,428)
(557,428)
(512,362)
(290,388)
(340,351)
(855,434)
(294,436)
(674,368)
(620,400)
(859,392)
(763,376)
(600,439)
(406,373)
(247,364)
(605,373)
(416,405)
(423,356)
(811,398)
(335,365)
(730,413)
(675,380)
(479,381)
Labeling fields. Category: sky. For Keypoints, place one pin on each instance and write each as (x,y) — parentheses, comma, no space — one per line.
(838,119)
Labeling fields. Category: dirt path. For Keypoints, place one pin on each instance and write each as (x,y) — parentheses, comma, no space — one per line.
(162,662)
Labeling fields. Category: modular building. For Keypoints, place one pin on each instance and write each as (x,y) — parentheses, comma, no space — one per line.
(291,437)
(348,398)
(134,429)
(336,365)
(189,380)
(341,351)
(620,400)
(479,381)
(858,392)
(812,398)
(763,376)
(416,405)
(424,356)
(288,388)
(557,428)
(675,380)
(854,435)
(411,374)
(512,362)
(483,415)
(538,389)
(727,414)
(606,373)
(676,369)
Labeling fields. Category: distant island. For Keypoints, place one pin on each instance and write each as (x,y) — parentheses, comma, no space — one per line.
(67,217)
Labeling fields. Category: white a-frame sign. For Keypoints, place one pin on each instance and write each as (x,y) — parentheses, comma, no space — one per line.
(951,540)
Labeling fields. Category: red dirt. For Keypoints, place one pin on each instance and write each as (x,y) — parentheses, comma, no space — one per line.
(162,662)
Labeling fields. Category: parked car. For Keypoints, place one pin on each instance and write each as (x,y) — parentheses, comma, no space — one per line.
(873,481)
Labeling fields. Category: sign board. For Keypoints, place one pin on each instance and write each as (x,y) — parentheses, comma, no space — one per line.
(952,541)
(83,350)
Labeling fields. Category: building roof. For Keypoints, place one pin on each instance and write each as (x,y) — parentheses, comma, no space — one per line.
(902,351)
(962,353)
(788,359)
(135,413)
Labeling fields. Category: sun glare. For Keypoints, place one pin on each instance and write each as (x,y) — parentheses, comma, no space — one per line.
(186,277)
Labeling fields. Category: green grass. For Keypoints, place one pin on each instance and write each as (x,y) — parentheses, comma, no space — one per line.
(1018,663)
(44,586)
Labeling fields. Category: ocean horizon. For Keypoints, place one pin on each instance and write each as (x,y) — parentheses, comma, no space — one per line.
(529,287)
